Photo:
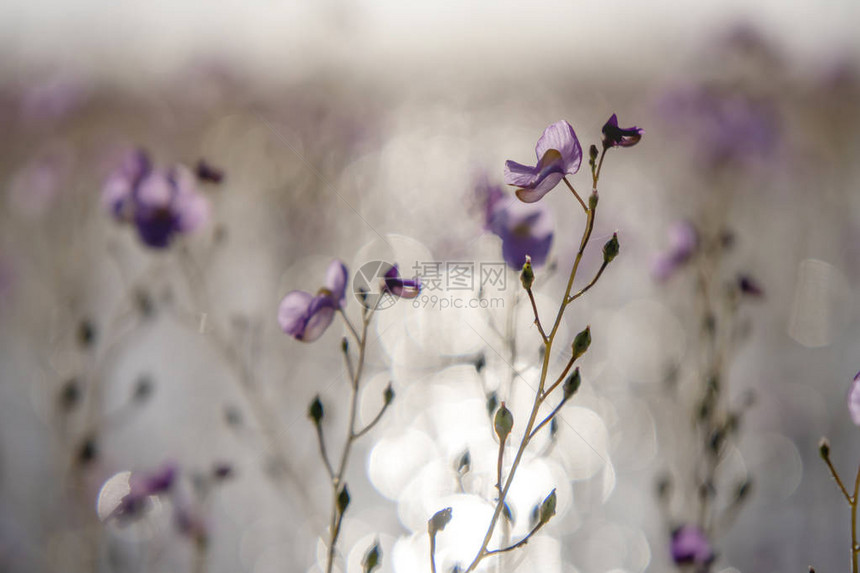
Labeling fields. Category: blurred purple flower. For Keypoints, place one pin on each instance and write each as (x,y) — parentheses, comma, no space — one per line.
(144,485)
(34,187)
(399,287)
(750,287)
(683,244)
(558,153)
(614,136)
(305,317)
(524,229)
(690,546)
(854,400)
(726,126)
(160,202)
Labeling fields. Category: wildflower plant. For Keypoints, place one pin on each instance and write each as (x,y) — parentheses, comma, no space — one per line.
(305,318)
(559,155)
(852,497)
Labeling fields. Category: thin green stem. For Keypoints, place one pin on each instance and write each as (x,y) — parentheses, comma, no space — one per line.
(855,549)
(559,380)
(549,418)
(372,423)
(433,553)
(519,543)
(835,475)
(483,552)
(537,316)
(324,451)
(589,285)
(575,194)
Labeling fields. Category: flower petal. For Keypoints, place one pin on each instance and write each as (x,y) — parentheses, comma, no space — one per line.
(320,315)
(336,278)
(293,313)
(561,137)
(854,400)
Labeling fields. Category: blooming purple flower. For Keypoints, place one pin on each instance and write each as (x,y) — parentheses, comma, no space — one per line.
(524,229)
(683,244)
(305,317)
(854,400)
(690,546)
(558,154)
(160,202)
(399,287)
(614,136)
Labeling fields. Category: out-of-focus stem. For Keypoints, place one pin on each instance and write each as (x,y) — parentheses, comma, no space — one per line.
(539,395)
(855,549)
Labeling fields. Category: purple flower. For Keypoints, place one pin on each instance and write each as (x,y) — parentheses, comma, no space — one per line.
(614,136)
(854,400)
(524,229)
(305,317)
(558,154)
(144,485)
(160,203)
(749,287)
(725,126)
(683,244)
(399,287)
(690,546)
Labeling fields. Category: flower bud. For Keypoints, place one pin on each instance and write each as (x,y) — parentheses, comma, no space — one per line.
(464,464)
(824,448)
(388,395)
(527,277)
(581,342)
(610,249)
(342,499)
(503,422)
(592,153)
(315,411)
(372,558)
(547,508)
(571,385)
(592,200)
(439,520)
(344,345)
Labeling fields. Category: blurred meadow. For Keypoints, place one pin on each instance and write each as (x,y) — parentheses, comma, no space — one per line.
(726,333)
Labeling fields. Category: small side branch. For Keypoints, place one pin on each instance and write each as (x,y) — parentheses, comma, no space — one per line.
(537,316)
(519,543)
(575,194)
(584,289)
(372,423)
(324,451)
(548,419)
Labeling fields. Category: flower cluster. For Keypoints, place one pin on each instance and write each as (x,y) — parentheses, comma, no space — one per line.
(161,203)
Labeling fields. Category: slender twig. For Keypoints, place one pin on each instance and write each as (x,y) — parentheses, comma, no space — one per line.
(855,549)
(589,285)
(549,418)
(499,464)
(560,379)
(351,436)
(433,554)
(519,543)
(349,325)
(483,552)
(835,475)
(575,194)
(324,451)
(537,316)
(372,423)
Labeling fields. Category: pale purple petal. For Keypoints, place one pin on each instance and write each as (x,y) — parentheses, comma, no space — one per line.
(854,400)
(155,191)
(541,189)
(336,278)
(561,137)
(293,312)
(320,315)
(690,546)
(192,210)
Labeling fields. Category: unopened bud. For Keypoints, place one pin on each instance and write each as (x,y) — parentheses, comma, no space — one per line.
(571,385)
(388,395)
(527,277)
(592,153)
(592,200)
(372,559)
(344,345)
(581,342)
(824,448)
(503,422)
(315,410)
(610,249)
(464,464)
(342,499)
(439,520)
(547,508)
